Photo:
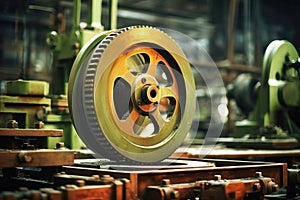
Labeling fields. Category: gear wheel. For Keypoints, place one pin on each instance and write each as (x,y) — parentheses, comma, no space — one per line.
(132,95)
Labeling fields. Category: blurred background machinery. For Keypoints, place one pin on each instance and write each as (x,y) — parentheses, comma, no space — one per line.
(40,39)
(272,102)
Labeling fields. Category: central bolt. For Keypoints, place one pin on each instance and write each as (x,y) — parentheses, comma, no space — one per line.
(150,94)
(146,94)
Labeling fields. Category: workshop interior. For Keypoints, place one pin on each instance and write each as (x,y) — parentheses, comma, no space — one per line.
(128,100)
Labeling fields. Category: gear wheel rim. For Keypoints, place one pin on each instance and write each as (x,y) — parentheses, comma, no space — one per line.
(97,139)
(277,54)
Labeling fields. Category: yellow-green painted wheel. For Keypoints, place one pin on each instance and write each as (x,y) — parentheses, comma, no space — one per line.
(132,95)
(278,53)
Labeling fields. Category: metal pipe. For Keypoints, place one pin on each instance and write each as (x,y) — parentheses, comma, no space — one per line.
(95,15)
(113,13)
(76,16)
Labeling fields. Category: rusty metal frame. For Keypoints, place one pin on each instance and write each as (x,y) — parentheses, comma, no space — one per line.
(140,180)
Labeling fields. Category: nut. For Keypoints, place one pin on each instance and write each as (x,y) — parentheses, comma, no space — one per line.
(39,125)
(60,145)
(24,158)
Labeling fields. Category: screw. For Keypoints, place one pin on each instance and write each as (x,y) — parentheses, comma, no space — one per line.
(12,124)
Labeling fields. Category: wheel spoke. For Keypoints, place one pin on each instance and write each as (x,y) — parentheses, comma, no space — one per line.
(157,121)
(134,123)
(122,71)
(140,126)
(129,78)
(167,92)
(155,58)
(128,124)
(168,104)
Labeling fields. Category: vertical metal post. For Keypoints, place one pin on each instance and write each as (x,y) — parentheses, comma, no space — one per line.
(95,15)
(77,11)
(258,32)
(248,33)
(113,13)
(233,9)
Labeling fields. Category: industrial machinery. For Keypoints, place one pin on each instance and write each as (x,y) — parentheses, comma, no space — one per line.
(36,68)
(114,94)
(132,105)
(192,180)
(271,104)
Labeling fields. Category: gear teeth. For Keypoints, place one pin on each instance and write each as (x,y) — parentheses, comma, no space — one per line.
(110,152)
(106,41)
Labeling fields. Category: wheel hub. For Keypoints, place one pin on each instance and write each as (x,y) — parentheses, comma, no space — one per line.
(146,94)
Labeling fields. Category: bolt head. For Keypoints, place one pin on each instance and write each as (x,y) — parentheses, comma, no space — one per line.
(166,182)
(60,145)
(39,125)
(258,174)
